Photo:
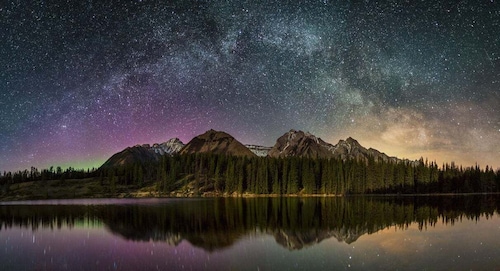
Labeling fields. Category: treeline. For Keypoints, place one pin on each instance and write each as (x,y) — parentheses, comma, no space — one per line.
(220,174)
(294,175)
(34,174)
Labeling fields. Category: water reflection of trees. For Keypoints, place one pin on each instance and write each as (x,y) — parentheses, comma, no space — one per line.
(47,216)
(294,222)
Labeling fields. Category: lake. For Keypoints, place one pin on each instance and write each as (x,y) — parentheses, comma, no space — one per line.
(343,233)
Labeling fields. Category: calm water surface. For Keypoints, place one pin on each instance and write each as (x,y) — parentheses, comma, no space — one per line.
(353,233)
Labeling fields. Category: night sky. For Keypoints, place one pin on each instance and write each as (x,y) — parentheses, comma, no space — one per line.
(80,81)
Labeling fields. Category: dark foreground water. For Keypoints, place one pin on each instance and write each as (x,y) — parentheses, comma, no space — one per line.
(355,233)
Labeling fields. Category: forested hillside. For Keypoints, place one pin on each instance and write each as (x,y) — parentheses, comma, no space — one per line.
(216,174)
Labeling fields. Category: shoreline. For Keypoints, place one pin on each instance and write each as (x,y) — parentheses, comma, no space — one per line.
(155,195)
(93,189)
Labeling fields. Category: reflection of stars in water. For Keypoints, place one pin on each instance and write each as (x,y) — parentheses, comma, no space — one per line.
(85,79)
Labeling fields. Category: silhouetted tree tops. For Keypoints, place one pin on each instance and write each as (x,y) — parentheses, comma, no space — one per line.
(223,174)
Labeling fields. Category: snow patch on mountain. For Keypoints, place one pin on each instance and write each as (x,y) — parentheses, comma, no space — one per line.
(172,146)
(259,150)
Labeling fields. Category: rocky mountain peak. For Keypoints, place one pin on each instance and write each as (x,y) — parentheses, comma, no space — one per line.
(351,140)
(174,140)
(299,143)
(216,142)
(171,146)
(305,144)
(144,153)
(131,155)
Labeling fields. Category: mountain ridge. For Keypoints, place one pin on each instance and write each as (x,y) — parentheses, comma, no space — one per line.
(305,144)
(293,143)
(144,153)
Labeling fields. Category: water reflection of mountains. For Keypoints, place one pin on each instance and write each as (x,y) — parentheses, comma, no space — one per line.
(295,223)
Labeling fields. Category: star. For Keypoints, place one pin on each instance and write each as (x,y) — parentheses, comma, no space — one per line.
(90,79)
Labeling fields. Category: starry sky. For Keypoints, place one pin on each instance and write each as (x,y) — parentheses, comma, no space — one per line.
(81,80)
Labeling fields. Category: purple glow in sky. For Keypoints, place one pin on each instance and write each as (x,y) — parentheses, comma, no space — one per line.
(82,80)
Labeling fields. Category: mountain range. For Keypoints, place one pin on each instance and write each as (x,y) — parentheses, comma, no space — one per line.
(293,143)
